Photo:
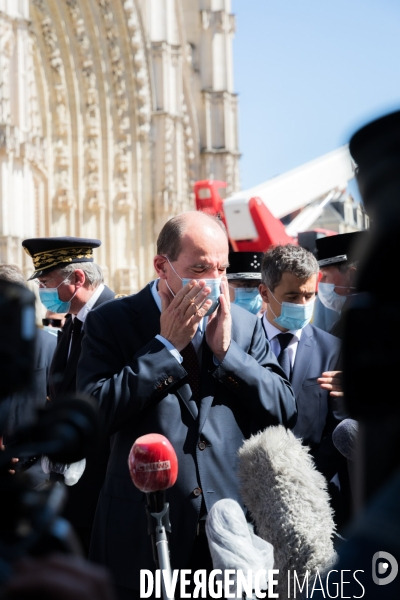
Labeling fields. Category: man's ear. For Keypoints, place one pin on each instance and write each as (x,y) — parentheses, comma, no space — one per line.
(262,288)
(351,274)
(160,263)
(80,278)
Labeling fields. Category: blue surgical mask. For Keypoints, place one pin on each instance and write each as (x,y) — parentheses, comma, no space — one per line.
(50,299)
(293,316)
(329,298)
(248,299)
(214,284)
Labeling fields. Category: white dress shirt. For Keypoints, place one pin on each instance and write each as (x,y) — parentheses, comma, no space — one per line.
(83,313)
(273,331)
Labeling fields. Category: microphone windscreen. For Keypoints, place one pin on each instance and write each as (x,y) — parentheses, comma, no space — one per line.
(153,464)
(344,438)
(288,499)
(233,544)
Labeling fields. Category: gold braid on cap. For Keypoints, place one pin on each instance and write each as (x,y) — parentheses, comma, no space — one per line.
(52,258)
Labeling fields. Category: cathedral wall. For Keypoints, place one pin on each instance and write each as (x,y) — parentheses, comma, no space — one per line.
(109,111)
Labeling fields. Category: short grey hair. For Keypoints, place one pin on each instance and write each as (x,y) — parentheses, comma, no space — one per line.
(169,242)
(12,273)
(287,259)
(93,273)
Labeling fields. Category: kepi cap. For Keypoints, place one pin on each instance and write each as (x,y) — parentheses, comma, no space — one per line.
(244,265)
(345,247)
(55,252)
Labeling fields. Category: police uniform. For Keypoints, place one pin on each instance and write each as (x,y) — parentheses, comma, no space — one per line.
(49,254)
(336,250)
(245,268)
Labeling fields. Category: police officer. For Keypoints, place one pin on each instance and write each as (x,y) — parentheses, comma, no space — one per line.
(71,282)
(244,277)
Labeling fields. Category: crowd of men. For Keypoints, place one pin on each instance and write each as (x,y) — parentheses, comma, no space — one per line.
(218,347)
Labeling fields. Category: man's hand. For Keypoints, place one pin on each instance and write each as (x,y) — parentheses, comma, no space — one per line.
(218,332)
(181,316)
(332,381)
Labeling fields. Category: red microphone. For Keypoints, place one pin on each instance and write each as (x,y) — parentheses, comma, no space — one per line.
(153,464)
(153,467)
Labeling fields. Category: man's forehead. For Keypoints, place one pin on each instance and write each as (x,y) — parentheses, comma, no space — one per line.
(48,276)
(293,283)
(329,269)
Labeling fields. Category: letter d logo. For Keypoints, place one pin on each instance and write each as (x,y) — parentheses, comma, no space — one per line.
(381,568)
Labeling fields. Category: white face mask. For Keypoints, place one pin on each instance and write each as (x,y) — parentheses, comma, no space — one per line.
(214,284)
(329,298)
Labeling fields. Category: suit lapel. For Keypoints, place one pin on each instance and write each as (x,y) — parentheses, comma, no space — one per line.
(64,366)
(59,362)
(147,314)
(303,359)
(208,383)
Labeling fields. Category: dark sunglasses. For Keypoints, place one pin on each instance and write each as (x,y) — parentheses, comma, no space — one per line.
(52,322)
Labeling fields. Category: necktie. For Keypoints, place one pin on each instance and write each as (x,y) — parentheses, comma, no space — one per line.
(284,358)
(76,333)
(191,365)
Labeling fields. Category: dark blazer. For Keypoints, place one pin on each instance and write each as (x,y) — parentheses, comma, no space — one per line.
(141,388)
(317,412)
(63,367)
(83,496)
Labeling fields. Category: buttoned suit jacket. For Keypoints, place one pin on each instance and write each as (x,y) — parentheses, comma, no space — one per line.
(141,388)
(318,413)
(82,497)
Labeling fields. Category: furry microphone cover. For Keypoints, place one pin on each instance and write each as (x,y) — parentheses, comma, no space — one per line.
(288,500)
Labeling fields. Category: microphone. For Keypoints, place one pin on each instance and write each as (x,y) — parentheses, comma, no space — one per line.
(344,438)
(234,545)
(153,466)
(288,500)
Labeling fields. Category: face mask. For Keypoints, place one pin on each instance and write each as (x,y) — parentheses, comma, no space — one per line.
(51,330)
(250,301)
(329,298)
(214,284)
(293,316)
(50,299)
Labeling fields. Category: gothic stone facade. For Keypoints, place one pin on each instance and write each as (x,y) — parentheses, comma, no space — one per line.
(109,111)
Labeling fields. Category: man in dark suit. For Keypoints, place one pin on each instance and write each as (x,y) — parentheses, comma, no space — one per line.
(157,364)
(70,282)
(289,280)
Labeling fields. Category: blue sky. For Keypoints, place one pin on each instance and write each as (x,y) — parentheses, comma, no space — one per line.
(308,74)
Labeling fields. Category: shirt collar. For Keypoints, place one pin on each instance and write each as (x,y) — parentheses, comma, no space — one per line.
(82,314)
(273,331)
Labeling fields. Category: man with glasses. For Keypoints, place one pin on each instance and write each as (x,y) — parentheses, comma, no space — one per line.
(70,282)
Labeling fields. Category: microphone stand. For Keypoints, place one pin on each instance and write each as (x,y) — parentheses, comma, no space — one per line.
(159,525)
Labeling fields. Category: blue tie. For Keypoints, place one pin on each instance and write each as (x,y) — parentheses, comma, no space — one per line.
(284,358)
